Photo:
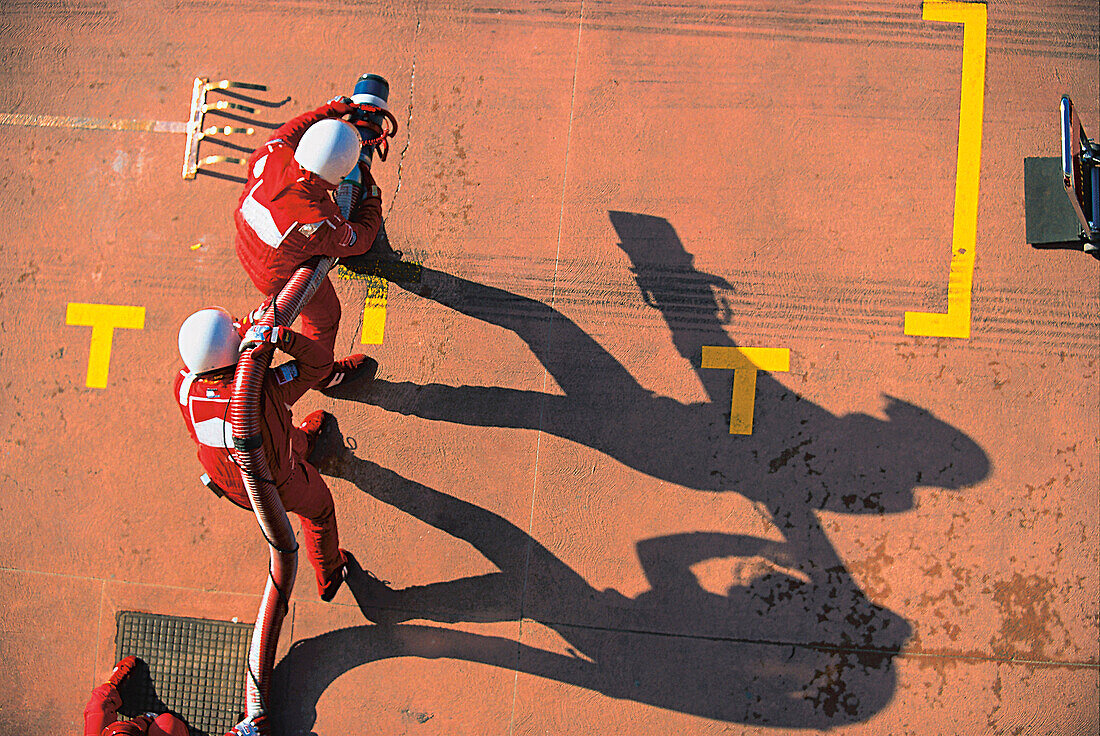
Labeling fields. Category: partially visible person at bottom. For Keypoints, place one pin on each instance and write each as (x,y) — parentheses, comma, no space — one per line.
(101,712)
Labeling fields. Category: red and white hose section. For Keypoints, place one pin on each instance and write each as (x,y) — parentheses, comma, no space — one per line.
(245,416)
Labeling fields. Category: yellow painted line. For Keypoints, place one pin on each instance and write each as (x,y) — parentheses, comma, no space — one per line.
(745,362)
(103,319)
(57,121)
(374,311)
(764,359)
(956,322)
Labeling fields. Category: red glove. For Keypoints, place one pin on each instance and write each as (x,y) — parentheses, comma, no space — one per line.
(122,670)
(370,192)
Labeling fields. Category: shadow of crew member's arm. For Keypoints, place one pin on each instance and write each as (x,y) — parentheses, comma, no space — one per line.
(572,357)
(667,560)
(490,597)
(480,598)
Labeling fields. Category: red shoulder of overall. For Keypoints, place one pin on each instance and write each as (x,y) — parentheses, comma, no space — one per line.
(286,197)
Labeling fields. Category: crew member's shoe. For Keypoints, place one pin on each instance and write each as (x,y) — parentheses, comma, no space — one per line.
(356,368)
(312,425)
(327,589)
(376,599)
(122,670)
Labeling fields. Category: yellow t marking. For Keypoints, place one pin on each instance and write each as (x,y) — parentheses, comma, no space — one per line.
(374,311)
(956,322)
(103,319)
(745,362)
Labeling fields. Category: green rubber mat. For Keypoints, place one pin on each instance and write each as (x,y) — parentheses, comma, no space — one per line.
(196,668)
(1048,214)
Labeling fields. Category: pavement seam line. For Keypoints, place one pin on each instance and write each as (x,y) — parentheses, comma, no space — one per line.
(408,119)
(99,630)
(545,370)
(92,578)
(762,642)
(59,121)
(293,612)
(825,647)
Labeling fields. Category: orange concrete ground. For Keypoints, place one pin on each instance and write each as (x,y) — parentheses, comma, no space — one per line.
(907,543)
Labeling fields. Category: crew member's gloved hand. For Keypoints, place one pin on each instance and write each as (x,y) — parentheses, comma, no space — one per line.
(253,317)
(261,337)
(339,106)
(250,726)
(365,209)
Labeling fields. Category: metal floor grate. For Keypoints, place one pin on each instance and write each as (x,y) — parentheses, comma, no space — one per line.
(196,668)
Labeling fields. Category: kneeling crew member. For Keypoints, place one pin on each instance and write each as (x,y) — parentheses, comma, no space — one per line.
(287,214)
(209,343)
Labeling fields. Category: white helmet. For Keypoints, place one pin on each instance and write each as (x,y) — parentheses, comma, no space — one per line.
(330,149)
(208,341)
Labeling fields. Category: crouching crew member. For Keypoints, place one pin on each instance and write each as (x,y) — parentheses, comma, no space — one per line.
(209,343)
(287,214)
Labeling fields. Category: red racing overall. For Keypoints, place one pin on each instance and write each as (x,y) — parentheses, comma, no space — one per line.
(204,403)
(101,718)
(287,215)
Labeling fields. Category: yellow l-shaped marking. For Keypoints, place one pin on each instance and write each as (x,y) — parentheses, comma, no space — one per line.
(956,322)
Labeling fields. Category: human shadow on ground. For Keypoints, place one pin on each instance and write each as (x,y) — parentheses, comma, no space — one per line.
(799,457)
(795,641)
(776,649)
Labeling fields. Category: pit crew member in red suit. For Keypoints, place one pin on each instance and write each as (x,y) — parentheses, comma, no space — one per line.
(287,214)
(101,712)
(209,343)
